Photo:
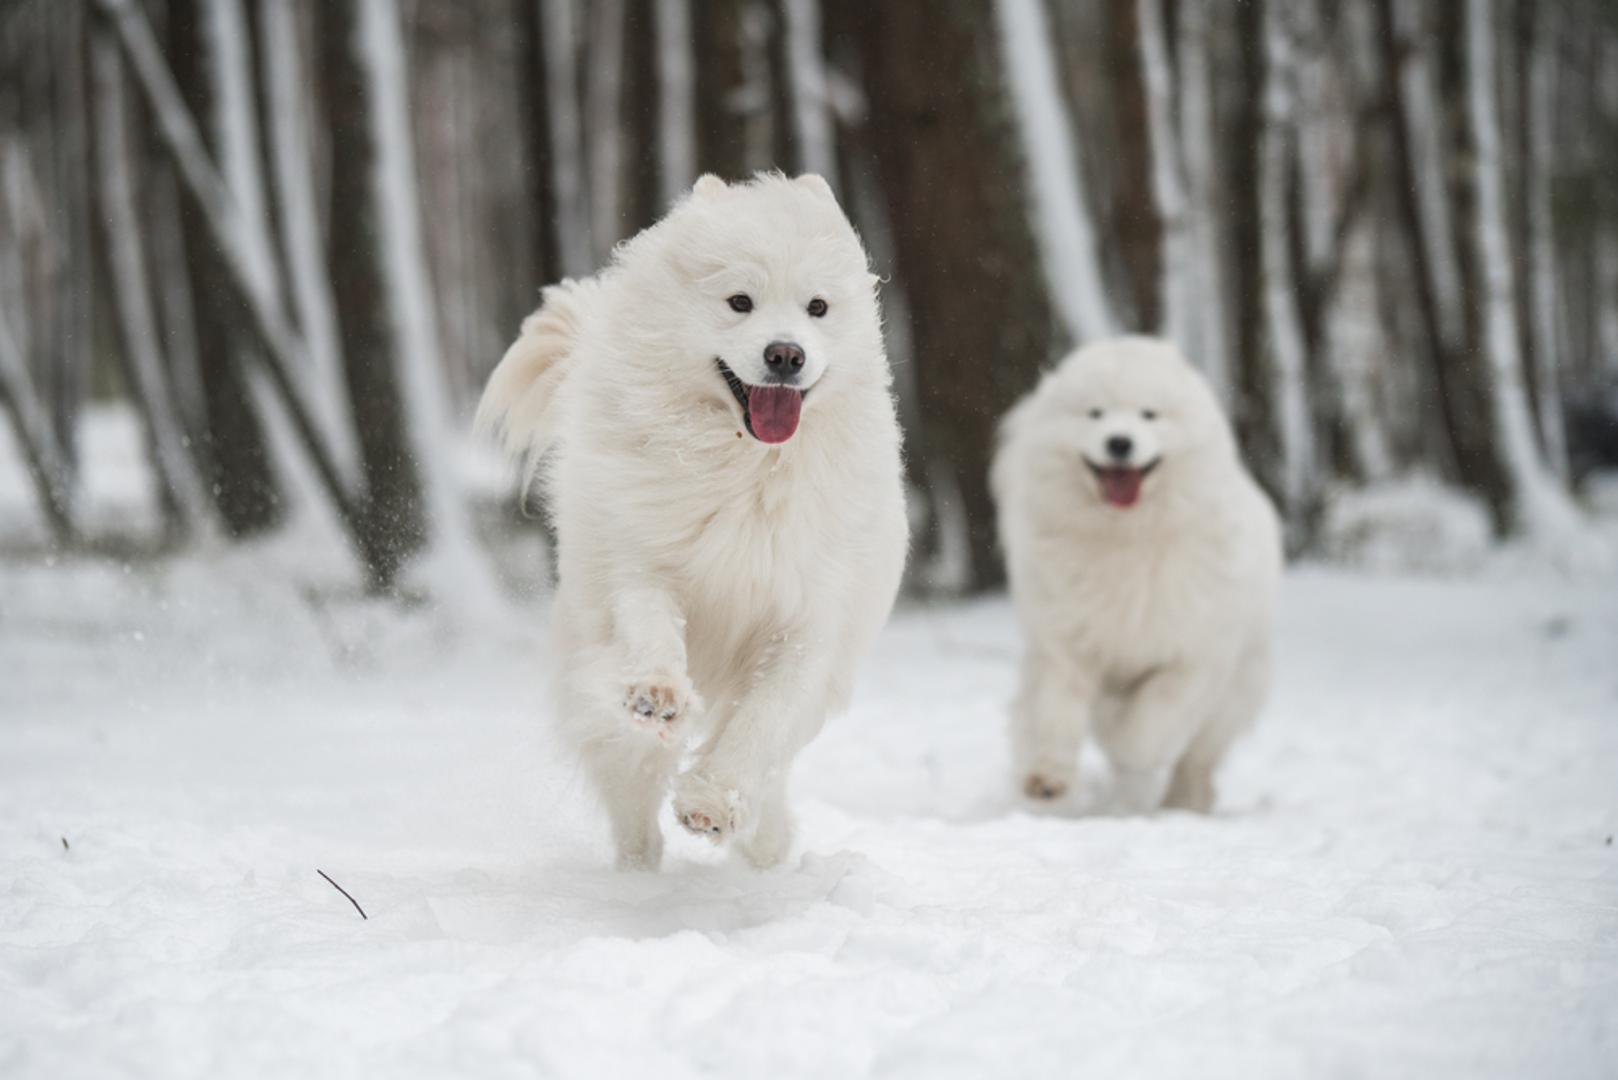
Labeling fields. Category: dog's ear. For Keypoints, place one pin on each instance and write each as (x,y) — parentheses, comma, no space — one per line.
(817,183)
(707,186)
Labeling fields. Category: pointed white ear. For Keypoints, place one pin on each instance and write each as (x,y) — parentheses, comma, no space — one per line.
(707,185)
(817,183)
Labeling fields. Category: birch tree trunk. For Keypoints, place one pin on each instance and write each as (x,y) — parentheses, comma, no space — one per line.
(811,109)
(1064,234)
(184,496)
(1544,272)
(31,424)
(1209,329)
(1287,347)
(1538,506)
(206,44)
(452,564)
(1178,267)
(287,82)
(677,88)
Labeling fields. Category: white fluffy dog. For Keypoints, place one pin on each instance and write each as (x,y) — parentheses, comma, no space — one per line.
(1144,563)
(722,464)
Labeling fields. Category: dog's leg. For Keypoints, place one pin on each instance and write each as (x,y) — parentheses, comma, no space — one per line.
(632,777)
(649,632)
(732,788)
(772,835)
(1192,786)
(1152,731)
(1049,722)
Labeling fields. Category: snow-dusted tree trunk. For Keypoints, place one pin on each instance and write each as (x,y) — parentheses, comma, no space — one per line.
(1424,128)
(1284,331)
(811,106)
(301,237)
(453,565)
(1606,242)
(1209,333)
(676,100)
(1543,267)
(258,283)
(573,240)
(1064,232)
(31,424)
(1539,507)
(184,495)
(604,94)
(1178,283)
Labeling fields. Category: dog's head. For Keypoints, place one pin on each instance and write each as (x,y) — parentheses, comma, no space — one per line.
(1135,416)
(761,300)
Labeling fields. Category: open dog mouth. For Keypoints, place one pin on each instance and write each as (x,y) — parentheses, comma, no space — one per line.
(770,413)
(1120,485)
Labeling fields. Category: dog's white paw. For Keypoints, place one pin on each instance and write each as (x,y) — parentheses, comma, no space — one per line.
(660,706)
(707,808)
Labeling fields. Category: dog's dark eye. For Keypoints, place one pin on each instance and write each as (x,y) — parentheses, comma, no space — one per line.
(1095,414)
(1148,414)
(741,303)
(817,307)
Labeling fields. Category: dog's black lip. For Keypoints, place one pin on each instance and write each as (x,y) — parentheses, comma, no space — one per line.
(738,390)
(1145,470)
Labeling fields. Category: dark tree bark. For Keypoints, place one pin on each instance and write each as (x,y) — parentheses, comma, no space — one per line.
(721,131)
(393,523)
(1133,217)
(236,455)
(983,327)
(536,140)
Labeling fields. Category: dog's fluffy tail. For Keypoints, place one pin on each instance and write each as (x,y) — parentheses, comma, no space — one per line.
(519,403)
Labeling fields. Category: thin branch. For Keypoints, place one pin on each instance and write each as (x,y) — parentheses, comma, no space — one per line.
(344,891)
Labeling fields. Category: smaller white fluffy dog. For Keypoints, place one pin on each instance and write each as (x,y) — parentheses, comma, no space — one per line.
(1144,565)
(721,460)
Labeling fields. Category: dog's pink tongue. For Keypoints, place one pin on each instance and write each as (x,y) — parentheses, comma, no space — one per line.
(1121,487)
(774,412)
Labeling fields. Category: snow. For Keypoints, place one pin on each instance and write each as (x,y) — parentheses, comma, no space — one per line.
(1411,871)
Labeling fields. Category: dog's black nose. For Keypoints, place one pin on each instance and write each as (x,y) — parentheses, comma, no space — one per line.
(1119,447)
(784,359)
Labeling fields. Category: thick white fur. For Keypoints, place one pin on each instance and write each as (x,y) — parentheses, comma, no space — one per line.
(726,586)
(1148,626)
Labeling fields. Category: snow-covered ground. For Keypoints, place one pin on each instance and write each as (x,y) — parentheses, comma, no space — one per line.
(1412,871)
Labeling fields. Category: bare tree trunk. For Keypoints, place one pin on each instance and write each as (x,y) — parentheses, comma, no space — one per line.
(604,94)
(1287,348)
(720,88)
(965,249)
(183,493)
(1065,235)
(811,110)
(1177,266)
(1544,273)
(575,249)
(287,83)
(232,441)
(1209,332)
(258,284)
(1538,506)
(676,82)
(31,421)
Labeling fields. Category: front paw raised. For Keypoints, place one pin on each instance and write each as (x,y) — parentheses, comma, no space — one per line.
(707,808)
(660,706)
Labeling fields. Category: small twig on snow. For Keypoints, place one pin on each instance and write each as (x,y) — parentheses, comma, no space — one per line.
(344,891)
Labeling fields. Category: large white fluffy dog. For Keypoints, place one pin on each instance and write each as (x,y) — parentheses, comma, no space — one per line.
(721,459)
(1144,563)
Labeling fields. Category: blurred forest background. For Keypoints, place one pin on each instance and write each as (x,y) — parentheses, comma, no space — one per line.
(294,236)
